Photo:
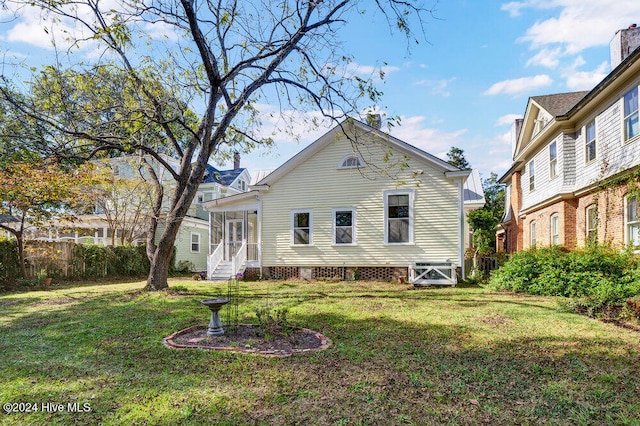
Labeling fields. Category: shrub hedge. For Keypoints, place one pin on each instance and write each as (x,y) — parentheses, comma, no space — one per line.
(9,261)
(597,275)
(93,261)
(89,261)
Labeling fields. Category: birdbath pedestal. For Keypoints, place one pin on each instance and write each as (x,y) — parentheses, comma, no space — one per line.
(214,304)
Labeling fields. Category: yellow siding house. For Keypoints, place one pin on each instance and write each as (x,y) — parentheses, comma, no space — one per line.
(356,203)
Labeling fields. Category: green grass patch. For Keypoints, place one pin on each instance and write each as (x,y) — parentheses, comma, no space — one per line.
(400,356)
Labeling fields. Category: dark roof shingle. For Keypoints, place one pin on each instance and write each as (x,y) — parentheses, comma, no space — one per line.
(559,103)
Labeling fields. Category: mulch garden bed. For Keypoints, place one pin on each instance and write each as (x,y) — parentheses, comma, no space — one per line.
(249,338)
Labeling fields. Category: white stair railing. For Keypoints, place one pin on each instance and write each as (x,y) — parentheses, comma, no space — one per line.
(239,258)
(214,259)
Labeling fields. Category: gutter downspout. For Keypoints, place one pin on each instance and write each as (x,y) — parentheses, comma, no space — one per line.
(260,233)
(461,229)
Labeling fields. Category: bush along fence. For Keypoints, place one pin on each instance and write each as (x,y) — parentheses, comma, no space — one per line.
(9,261)
(69,260)
(597,278)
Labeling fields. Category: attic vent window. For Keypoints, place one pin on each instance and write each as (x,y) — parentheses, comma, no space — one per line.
(350,161)
(539,125)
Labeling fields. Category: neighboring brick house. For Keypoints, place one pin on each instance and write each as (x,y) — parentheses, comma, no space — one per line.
(576,162)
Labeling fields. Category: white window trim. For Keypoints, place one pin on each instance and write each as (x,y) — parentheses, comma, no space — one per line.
(533,237)
(627,240)
(354,241)
(385,197)
(587,215)
(586,141)
(532,177)
(198,195)
(557,230)
(354,155)
(624,118)
(553,164)
(291,227)
(191,242)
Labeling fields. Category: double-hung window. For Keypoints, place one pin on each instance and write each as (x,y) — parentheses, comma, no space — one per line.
(591,214)
(632,223)
(590,142)
(302,227)
(532,176)
(555,229)
(195,242)
(631,124)
(532,234)
(553,160)
(344,226)
(398,206)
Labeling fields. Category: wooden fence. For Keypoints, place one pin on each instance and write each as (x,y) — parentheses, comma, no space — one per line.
(485,264)
(54,257)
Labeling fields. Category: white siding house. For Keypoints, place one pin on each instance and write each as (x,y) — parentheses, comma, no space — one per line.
(356,202)
(192,241)
(584,196)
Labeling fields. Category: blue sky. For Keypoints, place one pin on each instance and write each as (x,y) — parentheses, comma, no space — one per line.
(465,83)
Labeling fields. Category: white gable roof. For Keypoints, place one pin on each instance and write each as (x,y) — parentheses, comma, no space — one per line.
(473,192)
(330,136)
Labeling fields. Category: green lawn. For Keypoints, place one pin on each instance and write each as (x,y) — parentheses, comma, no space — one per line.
(399,356)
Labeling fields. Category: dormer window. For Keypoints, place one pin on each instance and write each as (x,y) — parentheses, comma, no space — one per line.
(350,161)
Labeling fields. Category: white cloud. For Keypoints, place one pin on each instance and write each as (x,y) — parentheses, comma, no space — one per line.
(161,31)
(548,58)
(507,120)
(514,8)
(369,71)
(437,87)
(519,86)
(414,131)
(494,155)
(289,126)
(585,80)
(579,25)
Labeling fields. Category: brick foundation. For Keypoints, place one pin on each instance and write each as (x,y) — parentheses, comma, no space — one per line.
(368,273)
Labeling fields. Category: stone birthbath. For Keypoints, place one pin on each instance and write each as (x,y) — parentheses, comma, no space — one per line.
(215,304)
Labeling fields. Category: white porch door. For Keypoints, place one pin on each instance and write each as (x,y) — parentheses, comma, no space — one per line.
(233,237)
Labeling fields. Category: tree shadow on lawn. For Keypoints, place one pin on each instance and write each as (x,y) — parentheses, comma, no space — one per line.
(107,351)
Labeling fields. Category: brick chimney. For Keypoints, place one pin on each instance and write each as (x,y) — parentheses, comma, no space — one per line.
(623,43)
(236,161)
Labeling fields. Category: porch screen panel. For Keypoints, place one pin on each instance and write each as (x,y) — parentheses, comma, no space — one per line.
(216,230)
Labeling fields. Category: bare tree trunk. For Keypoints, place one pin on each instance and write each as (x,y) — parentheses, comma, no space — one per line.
(20,244)
(161,258)
(159,272)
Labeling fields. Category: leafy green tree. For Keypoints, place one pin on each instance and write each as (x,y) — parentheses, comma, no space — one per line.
(456,157)
(494,195)
(33,193)
(484,221)
(220,59)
